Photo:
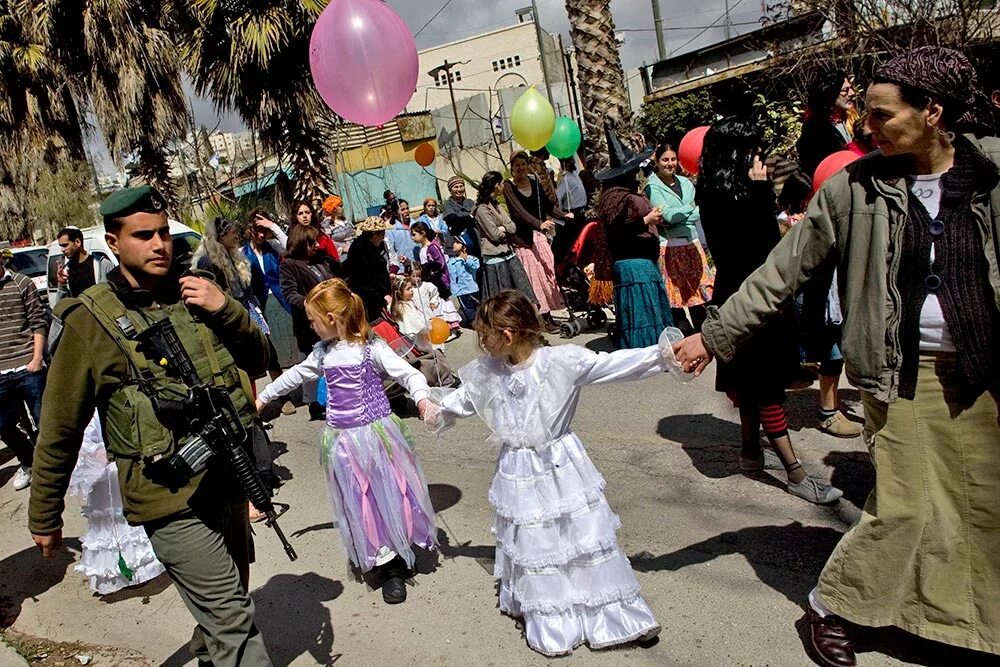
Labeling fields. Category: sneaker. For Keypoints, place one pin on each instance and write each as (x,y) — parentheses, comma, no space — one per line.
(815,491)
(22,478)
(839,426)
(768,460)
(288,408)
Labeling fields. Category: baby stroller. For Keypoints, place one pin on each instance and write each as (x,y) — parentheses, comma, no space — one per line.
(575,287)
(428,362)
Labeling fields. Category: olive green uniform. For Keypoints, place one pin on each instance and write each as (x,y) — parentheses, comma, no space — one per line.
(200,531)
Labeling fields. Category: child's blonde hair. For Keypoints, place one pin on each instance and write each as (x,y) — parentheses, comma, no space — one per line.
(333,297)
(399,284)
(509,310)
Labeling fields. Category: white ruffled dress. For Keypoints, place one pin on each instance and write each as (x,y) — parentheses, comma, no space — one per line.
(557,556)
(108,537)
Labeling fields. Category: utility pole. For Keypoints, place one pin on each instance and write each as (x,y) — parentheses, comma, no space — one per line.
(729,26)
(541,51)
(661,48)
(435,73)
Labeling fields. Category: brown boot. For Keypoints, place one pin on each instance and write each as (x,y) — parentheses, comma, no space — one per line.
(830,640)
(839,426)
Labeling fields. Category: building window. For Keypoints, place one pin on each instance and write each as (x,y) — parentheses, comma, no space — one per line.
(517,61)
(510,62)
(496,66)
(458,76)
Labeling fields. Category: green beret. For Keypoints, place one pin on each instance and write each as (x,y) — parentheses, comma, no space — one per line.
(143,199)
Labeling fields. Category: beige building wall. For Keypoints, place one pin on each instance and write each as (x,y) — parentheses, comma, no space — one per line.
(497,59)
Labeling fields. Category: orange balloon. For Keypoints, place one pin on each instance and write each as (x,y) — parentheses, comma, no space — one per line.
(424,155)
(439,330)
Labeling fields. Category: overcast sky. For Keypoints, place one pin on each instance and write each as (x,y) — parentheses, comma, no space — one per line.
(687,26)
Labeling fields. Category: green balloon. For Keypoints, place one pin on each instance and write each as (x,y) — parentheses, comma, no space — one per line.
(565,139)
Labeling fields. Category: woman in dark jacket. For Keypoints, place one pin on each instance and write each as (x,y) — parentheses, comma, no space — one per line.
(739,215)
(367,267)
(826,129)
(305,266)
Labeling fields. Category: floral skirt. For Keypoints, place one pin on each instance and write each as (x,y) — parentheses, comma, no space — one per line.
(378,491)
(540,266)
(557,557)
(688,277)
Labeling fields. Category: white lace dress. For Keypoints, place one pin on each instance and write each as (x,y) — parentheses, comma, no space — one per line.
(557,557)
(109,541)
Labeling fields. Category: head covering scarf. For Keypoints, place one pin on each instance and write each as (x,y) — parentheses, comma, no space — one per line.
(332,202)
(944,74)
(453,180)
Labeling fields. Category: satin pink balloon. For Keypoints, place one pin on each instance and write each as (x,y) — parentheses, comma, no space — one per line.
(363,60)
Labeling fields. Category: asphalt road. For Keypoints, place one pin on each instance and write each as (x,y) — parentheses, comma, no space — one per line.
(725,560)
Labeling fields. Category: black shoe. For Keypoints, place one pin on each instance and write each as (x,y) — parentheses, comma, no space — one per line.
(394,581)
(316,412)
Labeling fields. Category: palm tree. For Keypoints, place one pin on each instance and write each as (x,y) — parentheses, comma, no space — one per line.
(253,56)
(122,66)
(602,80)
(39,120)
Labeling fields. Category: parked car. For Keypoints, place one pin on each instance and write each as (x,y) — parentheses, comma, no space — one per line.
(186,240)
(30,261)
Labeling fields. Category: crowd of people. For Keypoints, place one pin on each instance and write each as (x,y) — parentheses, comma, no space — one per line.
(887,270)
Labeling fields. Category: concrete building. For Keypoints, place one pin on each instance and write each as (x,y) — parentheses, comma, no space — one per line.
(505,58)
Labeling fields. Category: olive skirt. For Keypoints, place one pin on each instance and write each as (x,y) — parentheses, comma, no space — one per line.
(925,555)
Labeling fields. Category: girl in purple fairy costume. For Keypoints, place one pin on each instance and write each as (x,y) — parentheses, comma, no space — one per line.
(379,493)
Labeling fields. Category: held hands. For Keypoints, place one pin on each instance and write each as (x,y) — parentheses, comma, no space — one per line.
(692,354)
(423,406)
(202,293)
(49,545)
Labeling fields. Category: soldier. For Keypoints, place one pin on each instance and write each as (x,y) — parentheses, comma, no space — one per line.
(198,527)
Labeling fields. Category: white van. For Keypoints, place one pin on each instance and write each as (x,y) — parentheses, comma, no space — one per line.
(186,240)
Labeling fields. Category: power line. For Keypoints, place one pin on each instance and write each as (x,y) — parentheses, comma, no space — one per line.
(431,19)
(715,23)
(686,27)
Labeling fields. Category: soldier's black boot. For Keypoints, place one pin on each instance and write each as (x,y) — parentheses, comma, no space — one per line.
(394,581)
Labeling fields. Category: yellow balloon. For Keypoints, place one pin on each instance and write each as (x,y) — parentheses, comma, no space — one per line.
(533,120)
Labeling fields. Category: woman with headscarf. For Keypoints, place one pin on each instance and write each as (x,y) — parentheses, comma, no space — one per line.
(533,212)
(913,231)
(367,268)
(642,310)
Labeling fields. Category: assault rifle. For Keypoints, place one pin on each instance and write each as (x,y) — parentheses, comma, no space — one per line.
(212,422)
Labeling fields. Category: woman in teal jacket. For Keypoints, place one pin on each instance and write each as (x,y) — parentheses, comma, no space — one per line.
(688,277)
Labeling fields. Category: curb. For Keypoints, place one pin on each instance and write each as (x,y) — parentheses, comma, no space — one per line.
(8,656)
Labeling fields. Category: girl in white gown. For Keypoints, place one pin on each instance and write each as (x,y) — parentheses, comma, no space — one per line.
(115,554)
(557,557)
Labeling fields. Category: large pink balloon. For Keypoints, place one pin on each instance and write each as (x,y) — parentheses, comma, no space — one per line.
(363,60)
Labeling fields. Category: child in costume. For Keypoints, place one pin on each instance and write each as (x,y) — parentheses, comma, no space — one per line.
(462,268)
(379,494)
(430,302)
(115,555)
(412,322)
(557,559)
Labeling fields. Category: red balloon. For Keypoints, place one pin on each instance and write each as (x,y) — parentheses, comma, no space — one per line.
(689,150)
(830,165)
(424,155)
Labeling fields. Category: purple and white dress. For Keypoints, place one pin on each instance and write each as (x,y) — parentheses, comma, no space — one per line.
(557,557)
(379,494)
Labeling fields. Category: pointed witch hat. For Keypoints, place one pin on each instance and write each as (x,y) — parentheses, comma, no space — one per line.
(623,159)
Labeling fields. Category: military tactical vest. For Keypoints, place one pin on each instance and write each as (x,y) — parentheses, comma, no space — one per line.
(132,429)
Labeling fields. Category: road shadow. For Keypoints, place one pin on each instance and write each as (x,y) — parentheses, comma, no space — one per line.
(278,449)
(292,616)
(901,646)
(484,555)
(712,444)
(314,528)
(7,473)
(786,558)
(444,496)
(26,575)
(854,474)
(802,407)
(145,590)
(602,344)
